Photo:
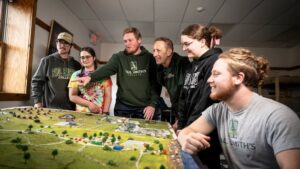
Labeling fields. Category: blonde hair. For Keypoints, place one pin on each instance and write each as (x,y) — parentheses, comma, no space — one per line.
(243,60)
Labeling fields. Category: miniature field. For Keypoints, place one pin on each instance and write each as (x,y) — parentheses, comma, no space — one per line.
(50,138)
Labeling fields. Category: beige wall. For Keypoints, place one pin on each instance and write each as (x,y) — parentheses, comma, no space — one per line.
(55,9)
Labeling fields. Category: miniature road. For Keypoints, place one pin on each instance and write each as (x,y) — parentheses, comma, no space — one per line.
(138,160)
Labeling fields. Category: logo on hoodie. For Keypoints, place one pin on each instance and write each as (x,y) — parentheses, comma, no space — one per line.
(134,71)
(133,65)
(62,73)
(191,80)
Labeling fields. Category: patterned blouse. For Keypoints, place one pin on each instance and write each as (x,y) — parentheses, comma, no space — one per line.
(93,92)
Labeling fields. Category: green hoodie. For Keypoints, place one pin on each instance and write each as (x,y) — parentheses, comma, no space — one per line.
(136,77)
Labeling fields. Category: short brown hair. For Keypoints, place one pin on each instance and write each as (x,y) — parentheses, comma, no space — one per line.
(167,41)
(133,30)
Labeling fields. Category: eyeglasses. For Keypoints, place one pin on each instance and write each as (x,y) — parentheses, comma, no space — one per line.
(62,42)
(187,44)
(85,57)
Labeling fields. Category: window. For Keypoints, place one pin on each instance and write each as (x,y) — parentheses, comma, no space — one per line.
(16,43)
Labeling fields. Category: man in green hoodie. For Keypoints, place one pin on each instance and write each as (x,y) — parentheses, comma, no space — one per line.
(138,90)
(170,70)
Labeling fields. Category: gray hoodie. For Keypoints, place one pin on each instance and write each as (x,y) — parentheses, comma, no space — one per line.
(49,84)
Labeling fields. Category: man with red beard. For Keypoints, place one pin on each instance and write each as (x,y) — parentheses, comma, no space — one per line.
(138,90)
(49,84)
(254,132)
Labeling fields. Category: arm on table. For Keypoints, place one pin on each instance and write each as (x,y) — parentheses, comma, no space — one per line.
(193,138)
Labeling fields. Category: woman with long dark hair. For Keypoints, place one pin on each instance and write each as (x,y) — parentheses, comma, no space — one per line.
(94,97)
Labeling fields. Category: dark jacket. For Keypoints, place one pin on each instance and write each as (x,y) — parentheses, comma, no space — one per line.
(49,84)
(194,97)
(136,77)
(172,78)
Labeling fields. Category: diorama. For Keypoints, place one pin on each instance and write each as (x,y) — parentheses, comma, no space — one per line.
(53,138)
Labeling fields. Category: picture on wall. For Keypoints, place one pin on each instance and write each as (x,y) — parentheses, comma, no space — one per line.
(56,28)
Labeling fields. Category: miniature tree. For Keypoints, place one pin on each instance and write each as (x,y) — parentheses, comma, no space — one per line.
(26,157)
(106,134)
(119,137)
(100,133)
(146,146)
(107,148)
(95,134)
(24,148)
(30,127)
(16,140)
(111,163)
(19,146)
(54,153)
(85,135)
(69,142)
(161,147)
(150,148)
(91,137)
(113,139)
(37,121)
(162,167)
(64,132)
(104,139)
(132,158)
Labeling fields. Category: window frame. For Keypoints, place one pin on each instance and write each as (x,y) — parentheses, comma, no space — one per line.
(3,7)
(15,86)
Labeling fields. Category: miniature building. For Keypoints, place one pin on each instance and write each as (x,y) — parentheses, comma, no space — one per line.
(68,117)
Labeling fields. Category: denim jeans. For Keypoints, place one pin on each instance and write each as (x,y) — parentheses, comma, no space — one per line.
(190,161)
(124,110)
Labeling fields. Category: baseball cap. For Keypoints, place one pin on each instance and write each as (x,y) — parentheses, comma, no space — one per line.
(65,36)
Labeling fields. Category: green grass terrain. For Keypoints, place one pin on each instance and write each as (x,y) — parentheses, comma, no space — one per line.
(41,142)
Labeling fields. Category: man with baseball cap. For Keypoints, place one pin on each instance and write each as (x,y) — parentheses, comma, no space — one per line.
(49,85)
(66,37)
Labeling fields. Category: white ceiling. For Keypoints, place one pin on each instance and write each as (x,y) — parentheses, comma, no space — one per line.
(251,23)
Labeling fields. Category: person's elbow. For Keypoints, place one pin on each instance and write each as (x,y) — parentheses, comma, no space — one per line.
(71,98)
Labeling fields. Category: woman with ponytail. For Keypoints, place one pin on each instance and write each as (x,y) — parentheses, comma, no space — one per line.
(199,42)
(94,97)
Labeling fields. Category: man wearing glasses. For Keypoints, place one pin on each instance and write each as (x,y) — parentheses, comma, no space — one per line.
(49,84)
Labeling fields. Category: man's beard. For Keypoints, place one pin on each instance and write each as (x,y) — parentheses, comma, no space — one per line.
(132,50)
(223,94)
